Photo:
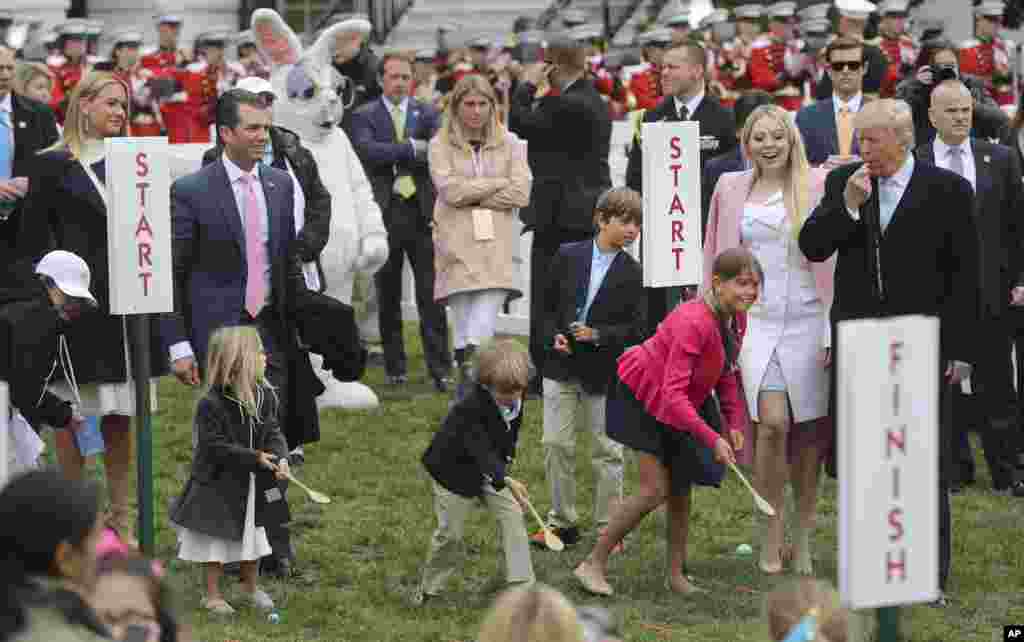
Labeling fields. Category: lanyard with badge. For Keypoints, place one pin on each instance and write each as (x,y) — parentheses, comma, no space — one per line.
(483,218)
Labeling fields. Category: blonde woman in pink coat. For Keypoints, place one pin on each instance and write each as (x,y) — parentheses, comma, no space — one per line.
(482,179)
(786,353)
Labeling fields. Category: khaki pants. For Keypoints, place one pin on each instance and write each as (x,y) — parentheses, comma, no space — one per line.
(567,406)
(446,547)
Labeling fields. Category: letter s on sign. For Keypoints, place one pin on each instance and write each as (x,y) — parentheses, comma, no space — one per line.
(141,165)
(674,144)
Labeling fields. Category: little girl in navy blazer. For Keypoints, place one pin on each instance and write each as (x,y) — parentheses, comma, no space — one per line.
(238,449)
(467,460)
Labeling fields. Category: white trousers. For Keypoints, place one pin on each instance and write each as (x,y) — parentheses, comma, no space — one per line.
(567,409)
(476,315)
(446,546)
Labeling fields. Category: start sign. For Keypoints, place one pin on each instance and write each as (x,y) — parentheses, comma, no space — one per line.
(139,225)
(671,239)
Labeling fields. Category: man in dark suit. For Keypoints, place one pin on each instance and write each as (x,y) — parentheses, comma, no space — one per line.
(391,136)
(26,127)
(234,230)
(683,84)
(569,135)
(995,174)
(596,309)
(732,160)
(906,244)
(827,125)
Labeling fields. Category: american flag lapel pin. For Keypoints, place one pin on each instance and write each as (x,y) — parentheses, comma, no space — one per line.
(988,159)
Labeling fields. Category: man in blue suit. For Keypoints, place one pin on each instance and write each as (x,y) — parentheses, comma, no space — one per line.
(391,136)
(234,231)
(827,125)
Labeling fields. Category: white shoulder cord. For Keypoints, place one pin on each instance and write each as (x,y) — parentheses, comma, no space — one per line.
(64,357)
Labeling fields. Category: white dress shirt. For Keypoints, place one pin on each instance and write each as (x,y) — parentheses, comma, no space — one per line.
(691,105)
(183,349)
(7,114)
(893,188)
(852,104)
(943,159)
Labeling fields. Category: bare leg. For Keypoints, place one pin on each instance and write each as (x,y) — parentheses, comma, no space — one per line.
(770,472)
(806,467)
(214,571)
(117,461)
(247,574)
(654,483)
(678,528)
(70,459)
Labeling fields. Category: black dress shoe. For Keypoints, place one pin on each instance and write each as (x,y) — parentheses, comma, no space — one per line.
(279,567)
(441,384)
(396,380)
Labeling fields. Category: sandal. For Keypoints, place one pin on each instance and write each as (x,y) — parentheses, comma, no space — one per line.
(217,606)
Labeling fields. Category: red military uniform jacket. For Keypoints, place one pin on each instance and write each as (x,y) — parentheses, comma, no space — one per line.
(202,84)
(644,83)
(734,71)
(165,63)
(773,68)
(66,76)
(902,54)
(990,61)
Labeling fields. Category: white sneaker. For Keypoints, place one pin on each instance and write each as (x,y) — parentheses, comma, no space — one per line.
(259,599)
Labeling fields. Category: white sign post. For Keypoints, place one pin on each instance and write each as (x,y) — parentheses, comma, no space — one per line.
(139,225)
(888,416)
(671,238)
(139,232)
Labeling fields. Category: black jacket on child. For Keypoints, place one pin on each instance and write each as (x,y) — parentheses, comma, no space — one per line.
(473,445)
(29,331)
(214,500)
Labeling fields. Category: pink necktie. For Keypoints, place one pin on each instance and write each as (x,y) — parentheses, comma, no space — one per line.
(255,251)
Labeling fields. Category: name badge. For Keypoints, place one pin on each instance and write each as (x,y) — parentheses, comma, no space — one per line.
(483,225)
(709,143)
(273,495)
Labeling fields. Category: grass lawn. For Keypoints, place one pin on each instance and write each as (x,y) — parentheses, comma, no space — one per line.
(361,554)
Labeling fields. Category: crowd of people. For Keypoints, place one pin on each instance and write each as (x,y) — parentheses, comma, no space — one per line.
(841,179)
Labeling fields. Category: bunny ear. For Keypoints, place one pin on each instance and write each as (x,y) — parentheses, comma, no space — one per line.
(323,49)
(274,38)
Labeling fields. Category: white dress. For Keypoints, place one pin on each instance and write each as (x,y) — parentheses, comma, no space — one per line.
(782,349)
(197,547)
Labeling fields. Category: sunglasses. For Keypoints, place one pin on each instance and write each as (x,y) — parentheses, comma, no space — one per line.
(852,65)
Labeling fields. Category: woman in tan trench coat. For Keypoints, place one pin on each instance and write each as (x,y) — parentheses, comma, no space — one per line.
(482,178)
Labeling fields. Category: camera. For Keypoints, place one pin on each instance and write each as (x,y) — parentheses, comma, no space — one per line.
(941,73)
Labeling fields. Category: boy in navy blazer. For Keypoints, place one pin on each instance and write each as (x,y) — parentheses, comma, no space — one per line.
(594,311)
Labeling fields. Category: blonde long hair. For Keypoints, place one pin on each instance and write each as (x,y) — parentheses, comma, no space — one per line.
(232,364)
(534,613)
(452,132)
(797,192)
(76,127)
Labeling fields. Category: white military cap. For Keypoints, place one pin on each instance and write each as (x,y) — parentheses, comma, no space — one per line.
(855,9)
(217,35)
(93,28)
(815,11)
(480,42)
(574,17)
(818,26)
(425,55)
(679,19)
(76,27)
(748,11)
(782,10)
(169,19)
(585,33)
(887,7)
(990,8)
(127,37)
(715,17)
(656,36)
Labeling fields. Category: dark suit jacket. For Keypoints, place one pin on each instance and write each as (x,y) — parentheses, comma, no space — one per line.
(209,254)
(569,138)
(473,445)
(384,158)
(817,125)
(717,131)
(618,313)
(731,161)
(927,261)
(999,217)
(35,129)
(64,211)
